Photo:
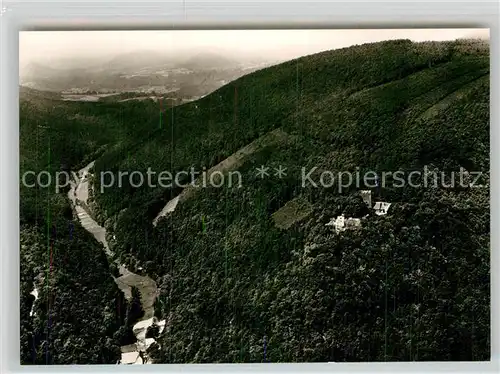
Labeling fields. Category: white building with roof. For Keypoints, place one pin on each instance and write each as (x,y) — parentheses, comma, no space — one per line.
(366,195)
(381,208)
(341,223)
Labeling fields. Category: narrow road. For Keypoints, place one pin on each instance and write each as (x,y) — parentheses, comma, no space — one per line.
(146,286)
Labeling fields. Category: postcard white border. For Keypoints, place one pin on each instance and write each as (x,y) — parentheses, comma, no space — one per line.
(123,14)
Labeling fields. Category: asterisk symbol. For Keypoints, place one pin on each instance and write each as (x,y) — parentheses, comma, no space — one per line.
(262,172)
(280,172)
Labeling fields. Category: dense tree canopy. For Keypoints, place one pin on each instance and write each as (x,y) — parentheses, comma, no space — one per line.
(236,287)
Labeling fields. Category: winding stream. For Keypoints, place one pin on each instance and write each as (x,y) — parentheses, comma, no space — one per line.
(147,287)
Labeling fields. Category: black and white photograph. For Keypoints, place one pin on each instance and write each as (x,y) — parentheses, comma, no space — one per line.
(254,196)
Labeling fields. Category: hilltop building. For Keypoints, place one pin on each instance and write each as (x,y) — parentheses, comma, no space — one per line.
(340,223)
(381,208)
(366,195)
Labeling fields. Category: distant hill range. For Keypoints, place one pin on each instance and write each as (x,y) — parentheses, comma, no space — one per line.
(136,71)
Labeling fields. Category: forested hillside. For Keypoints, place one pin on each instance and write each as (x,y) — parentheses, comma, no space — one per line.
(79,311)
(412,285)
(238,286)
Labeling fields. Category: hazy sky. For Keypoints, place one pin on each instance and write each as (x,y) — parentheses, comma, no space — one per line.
(43,46)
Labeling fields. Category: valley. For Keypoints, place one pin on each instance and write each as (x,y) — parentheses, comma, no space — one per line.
(265,272)
(78,194)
